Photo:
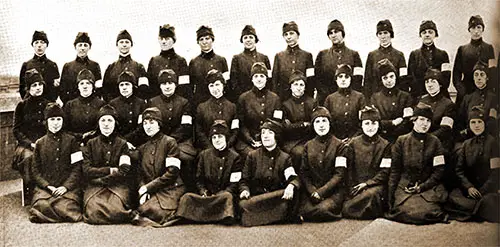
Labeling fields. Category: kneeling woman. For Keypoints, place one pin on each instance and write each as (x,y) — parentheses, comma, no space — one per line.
(323,171)
(57,173)
(107,168)
(160,183)
(478,170)
(415,183)
(269,183)
(369,172)
(217,177)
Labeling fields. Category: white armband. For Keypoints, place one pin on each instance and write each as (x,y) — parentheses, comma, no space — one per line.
(407,112)
(225,75)
(235,177)
(341,162)
(143,81)
(495,163)
(386,163)
(76,156)
(357,71)
(289,172)
(403,71)
(269,73)
(139,119)
(186,119)
(184,80)
(447,121)
(492,63)
(438,160)
(445,67)
(124,160)
(235,124)
(493,113)
(172,161)
(309,72)
(278,114)
(98,84)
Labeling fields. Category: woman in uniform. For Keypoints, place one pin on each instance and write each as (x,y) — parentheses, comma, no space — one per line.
(395,106)
(107,170)
(217,107)
(344,105)
(416,191)
(57,173)
(160,184)
(217,176)
(478,172)
(82,112)
(369,172)
(254,107)
(323,171)
(269,183)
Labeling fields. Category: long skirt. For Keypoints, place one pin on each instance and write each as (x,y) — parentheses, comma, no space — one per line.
(265,209)
(213,208)
(159,210)
(368,204)
(328,209)
(106,205)
(48,209)
(422,208)
(462,208)
(21,161)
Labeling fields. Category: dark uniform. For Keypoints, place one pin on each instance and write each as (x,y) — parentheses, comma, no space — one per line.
(129,112)
(344,106)
(57,162)
(211,110)
(198,69)
(82,115)
(68,89)
(49,71)
(169,60)
(442,120)
(241,66)
(110,81)
(324,170)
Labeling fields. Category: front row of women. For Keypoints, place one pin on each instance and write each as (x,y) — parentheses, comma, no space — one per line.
(365,178)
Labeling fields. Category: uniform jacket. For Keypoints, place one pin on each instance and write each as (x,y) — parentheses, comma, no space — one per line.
(29,120)
(324,165)
(298,111)
(485,98)
(442,107)
(344,106)
(110,89)
(211,110)
(372,82)
(327,63)
(216,168)
(49,71)
(68,89)
(264,171)
(241,77)
(128,110)
(82,114)
(172,109)
(427,57)
(198,70)
(168,60)
(285,63)
(371,161)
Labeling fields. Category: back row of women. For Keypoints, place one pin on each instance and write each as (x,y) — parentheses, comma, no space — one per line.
(277,155)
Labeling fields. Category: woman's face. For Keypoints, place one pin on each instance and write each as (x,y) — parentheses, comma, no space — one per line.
(432,86)
(168,88)
(421,124)
(298,88)
(216,89)
(85,87)
(124,46)
(480,79)
(476,32)
(39,46)
(389,80)
(343,80)
(428,36)
(126,88)
(370,128)
(151,126)
(259,81)
(321,126)
(82,49)
(291,38)
(477,126)
(107,124)
(219,141)
(206,43)
(268,138)
(335,36)
(166,43)
(249,41)
(36,89)
(54,124)
(384,38)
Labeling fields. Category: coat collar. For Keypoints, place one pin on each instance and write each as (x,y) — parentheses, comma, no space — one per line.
(83,60)
(168,53)
(208,55)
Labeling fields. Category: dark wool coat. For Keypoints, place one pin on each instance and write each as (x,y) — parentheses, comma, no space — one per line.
(68,89)
(211,110)
(169,60)
(241,77)
(110,89)
(49,71)
(82,115)
(198,70)
(129,113)
(344,106)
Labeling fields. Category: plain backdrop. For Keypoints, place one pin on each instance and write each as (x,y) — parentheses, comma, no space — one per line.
(62,20)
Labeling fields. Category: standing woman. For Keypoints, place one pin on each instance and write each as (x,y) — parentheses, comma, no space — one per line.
(107,169)
(254,107)
(394,104)
(369,172)
(344,105)
(416,191)
(478,172)
(323,171)
(57,173)
(28,125)
(160,186)
(217,177)
(269,183)
(297,110)
(82,112)
(217,107)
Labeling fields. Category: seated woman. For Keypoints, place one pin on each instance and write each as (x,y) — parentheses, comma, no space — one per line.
(217,177)
(269,183)
(254,107)
(57,173)
(297,110)
(217,107)
(161,187)
(344,105)
(107,169)
(478,172)
(394,105)
(323,171)
(415,183)
(82,113)
(369,173)
(28,127)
